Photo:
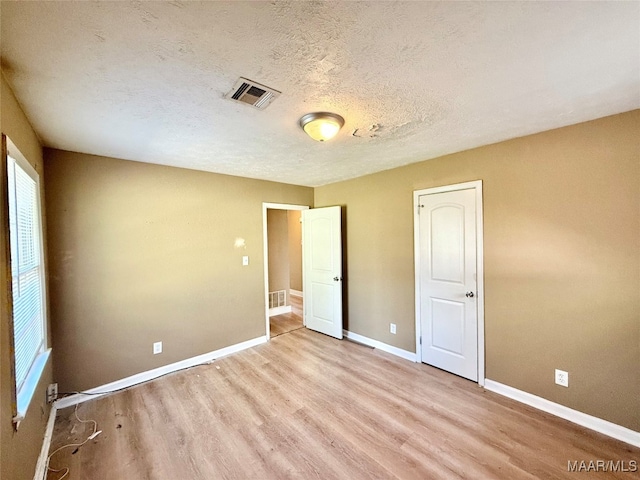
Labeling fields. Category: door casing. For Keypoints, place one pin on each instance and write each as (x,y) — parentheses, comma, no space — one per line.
(477,186)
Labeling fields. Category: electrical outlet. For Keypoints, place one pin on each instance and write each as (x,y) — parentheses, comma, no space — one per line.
(392,328)
(157,348)
(562,378)
(52,392)
(245,260)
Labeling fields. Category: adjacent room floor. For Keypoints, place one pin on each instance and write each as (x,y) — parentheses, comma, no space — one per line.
(306,406)
(287,322)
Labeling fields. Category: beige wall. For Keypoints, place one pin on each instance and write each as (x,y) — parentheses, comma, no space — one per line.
(278,245)
(142,253)
(295,249)
(18,450)
(561,259)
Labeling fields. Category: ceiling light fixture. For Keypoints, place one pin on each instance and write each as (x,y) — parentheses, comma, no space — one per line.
(321,126)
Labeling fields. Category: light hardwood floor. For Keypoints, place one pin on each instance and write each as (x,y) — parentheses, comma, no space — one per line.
(308,406)
(287,322)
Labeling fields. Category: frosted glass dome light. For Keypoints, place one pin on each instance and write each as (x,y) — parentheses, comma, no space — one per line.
(321,126)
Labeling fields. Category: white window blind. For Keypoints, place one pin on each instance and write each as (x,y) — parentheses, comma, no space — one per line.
(26,269)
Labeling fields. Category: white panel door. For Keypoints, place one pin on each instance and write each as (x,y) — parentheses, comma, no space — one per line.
(448,309)
(322,270)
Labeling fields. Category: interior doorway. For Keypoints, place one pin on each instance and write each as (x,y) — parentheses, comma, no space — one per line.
(283,268)
(449,279)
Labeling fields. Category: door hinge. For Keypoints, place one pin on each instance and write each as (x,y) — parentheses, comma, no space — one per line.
(419,207)
(420,340)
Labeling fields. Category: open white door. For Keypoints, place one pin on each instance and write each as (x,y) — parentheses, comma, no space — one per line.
(322,270)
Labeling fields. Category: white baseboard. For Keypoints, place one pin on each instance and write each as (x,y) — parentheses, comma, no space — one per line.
(594,423)
(399,352)
(279,310)
(155,373)
(41,466)
(295,293)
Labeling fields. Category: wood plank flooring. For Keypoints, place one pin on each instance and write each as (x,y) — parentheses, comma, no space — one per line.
(308,406)
(287,322)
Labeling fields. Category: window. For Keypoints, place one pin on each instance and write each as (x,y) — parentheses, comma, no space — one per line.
(27,278)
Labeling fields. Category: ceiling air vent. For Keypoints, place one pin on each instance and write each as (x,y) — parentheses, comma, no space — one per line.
(252,93)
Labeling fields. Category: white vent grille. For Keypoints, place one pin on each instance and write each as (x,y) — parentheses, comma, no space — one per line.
(277,299)
(252,93)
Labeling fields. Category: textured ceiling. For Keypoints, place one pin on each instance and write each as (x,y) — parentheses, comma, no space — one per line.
(413,80)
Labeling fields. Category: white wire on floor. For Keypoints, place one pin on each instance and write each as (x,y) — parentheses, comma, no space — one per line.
(93,435)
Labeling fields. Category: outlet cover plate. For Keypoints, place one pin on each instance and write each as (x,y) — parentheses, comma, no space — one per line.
(392,328)
(157,348)
(52,392)
(562,378)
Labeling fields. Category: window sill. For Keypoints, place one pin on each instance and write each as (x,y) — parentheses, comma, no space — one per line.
(25,395)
